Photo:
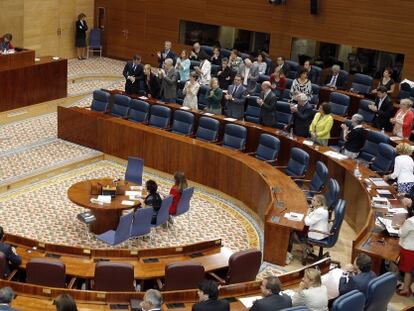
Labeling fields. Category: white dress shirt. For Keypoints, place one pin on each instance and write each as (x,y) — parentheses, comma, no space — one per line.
(314,298)
(205,76)
(403,169)
(406,234)
(317,220)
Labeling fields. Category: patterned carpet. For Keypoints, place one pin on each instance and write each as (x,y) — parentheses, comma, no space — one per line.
(95,66)
(86,87)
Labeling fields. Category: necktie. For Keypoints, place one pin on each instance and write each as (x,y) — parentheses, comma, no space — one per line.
(133,67)
(333,83)
(234,90)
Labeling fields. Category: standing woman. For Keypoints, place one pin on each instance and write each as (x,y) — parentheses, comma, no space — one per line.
(183,66)
(278,81)
(321,125)
(151,83)
(180,183)
(214,96)
(80,40)
(403,119)
(191,90)
(386,81)
(301,85)
(403,168)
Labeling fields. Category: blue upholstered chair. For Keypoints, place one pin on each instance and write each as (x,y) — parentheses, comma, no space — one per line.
(208,49)
(361,83)
(194,63)
(298,163)
(120,106)
(235,137)
(160,117)
(225,53)
(315,94)
(318,181)
(285,96)
(180,94)
(268,148)
(364,111)
(269,67)
(283,114)
(100,101)
(294,69)
(202,101)
(184,203)
(121,234)
(252,113)
(384,161)
(141,224)
(380,291)
(318,71)
(95,41)
(353,300)
(263,78)
(332,235)
(214,70)
(208,129)
(371,146)
(244,55)
(339,103)
(134,170)
(289,83)
(333,190)
(346,75)
(164,211)
(138,111)
(183,123)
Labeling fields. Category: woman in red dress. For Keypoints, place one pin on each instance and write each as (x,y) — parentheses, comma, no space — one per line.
(176,190)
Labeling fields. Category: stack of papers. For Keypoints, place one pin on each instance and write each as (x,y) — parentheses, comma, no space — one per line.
(379,182)
(104,198)
(335,155)
(208,114)
(184,108)
(230,119)
(308,142)
(134,195)
(143,97)
(248,301)
(294,216)
(128,203)
(379,202)
(387,223)
(395,138)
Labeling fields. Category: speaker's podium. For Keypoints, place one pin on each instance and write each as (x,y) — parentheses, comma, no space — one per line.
(26,80)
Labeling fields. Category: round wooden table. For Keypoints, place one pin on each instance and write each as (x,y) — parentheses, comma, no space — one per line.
(108,214)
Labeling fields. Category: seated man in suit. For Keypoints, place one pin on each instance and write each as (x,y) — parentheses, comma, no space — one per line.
(273,299)
(357,275)
(235,99)
(354,137)
(152,300)
(134,74)
(5,43)
(169,78)
(208,293)
(383,109)
(13,260)
(6,298)
(267,103)
(302,116)
(313,74)
(280,61)
(250,74)
(166,53)
(336,79)
(197,53)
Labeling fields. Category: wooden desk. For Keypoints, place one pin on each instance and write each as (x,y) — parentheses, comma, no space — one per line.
(107,215)
(32,84)
(20,58)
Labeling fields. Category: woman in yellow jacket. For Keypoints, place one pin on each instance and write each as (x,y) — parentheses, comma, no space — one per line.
(321,125)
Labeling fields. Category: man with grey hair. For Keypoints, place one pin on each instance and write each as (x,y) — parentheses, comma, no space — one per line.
(250,74)
(6,297)
(166,53)
(337,79)
(354,136)
(152,300)
(169,78)
(302,116)
(267,104)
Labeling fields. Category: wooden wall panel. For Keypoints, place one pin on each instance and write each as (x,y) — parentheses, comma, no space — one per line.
(11,19)
(384,25)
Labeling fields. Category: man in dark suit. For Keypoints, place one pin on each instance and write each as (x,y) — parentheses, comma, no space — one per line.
(280,61)
(152,300)
(134,74)
(267,103)
(383,109)
(13,260)
(6,297)
(197,53)
(302,116)
(357,276)
(313,74)
(336,79)
(166,53)
(273,299)
(208,294)
(235,99)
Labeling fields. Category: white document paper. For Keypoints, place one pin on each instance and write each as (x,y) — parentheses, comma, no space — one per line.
(134,188)
(104,198)
(248,301)
(398,210)
(208,114)
(230,119)
(383,191)
(184,108)
(308,142)
(388,225)
(128,203)
(143,97)
(395,138)
(335,155)
(379,182)
(294,216)
(133,193)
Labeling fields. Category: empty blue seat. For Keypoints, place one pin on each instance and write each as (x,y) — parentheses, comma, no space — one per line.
(268,148)
(208,129)
(208,49)
(364,110)
(215,69)
(122,232)
(120,106)
(333,190)
(384,161)
(298,163)
(263,78)
(318,180)
(353,300)
(138,111)
(283,114)
(180,94)
(315,94)
(293,69)
(100,101)
(318,75)
(202,101)
(235,136)
(183,122)
(135,168)
(339,103)
(160,116)
(164,212)
(380,291)
(225,53)
(252,113)
(370,149)
(141,224)
(361,83)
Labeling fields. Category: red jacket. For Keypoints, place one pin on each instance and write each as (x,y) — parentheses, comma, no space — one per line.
(407,123)
(176,198)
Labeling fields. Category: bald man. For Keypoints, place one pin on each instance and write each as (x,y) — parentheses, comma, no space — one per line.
(250,74)
(267,103)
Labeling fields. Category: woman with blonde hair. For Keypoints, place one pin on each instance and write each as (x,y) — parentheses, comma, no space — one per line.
(403,119)
(180,183)
(311,292)
(213,97)
(183,66)
(403,168)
